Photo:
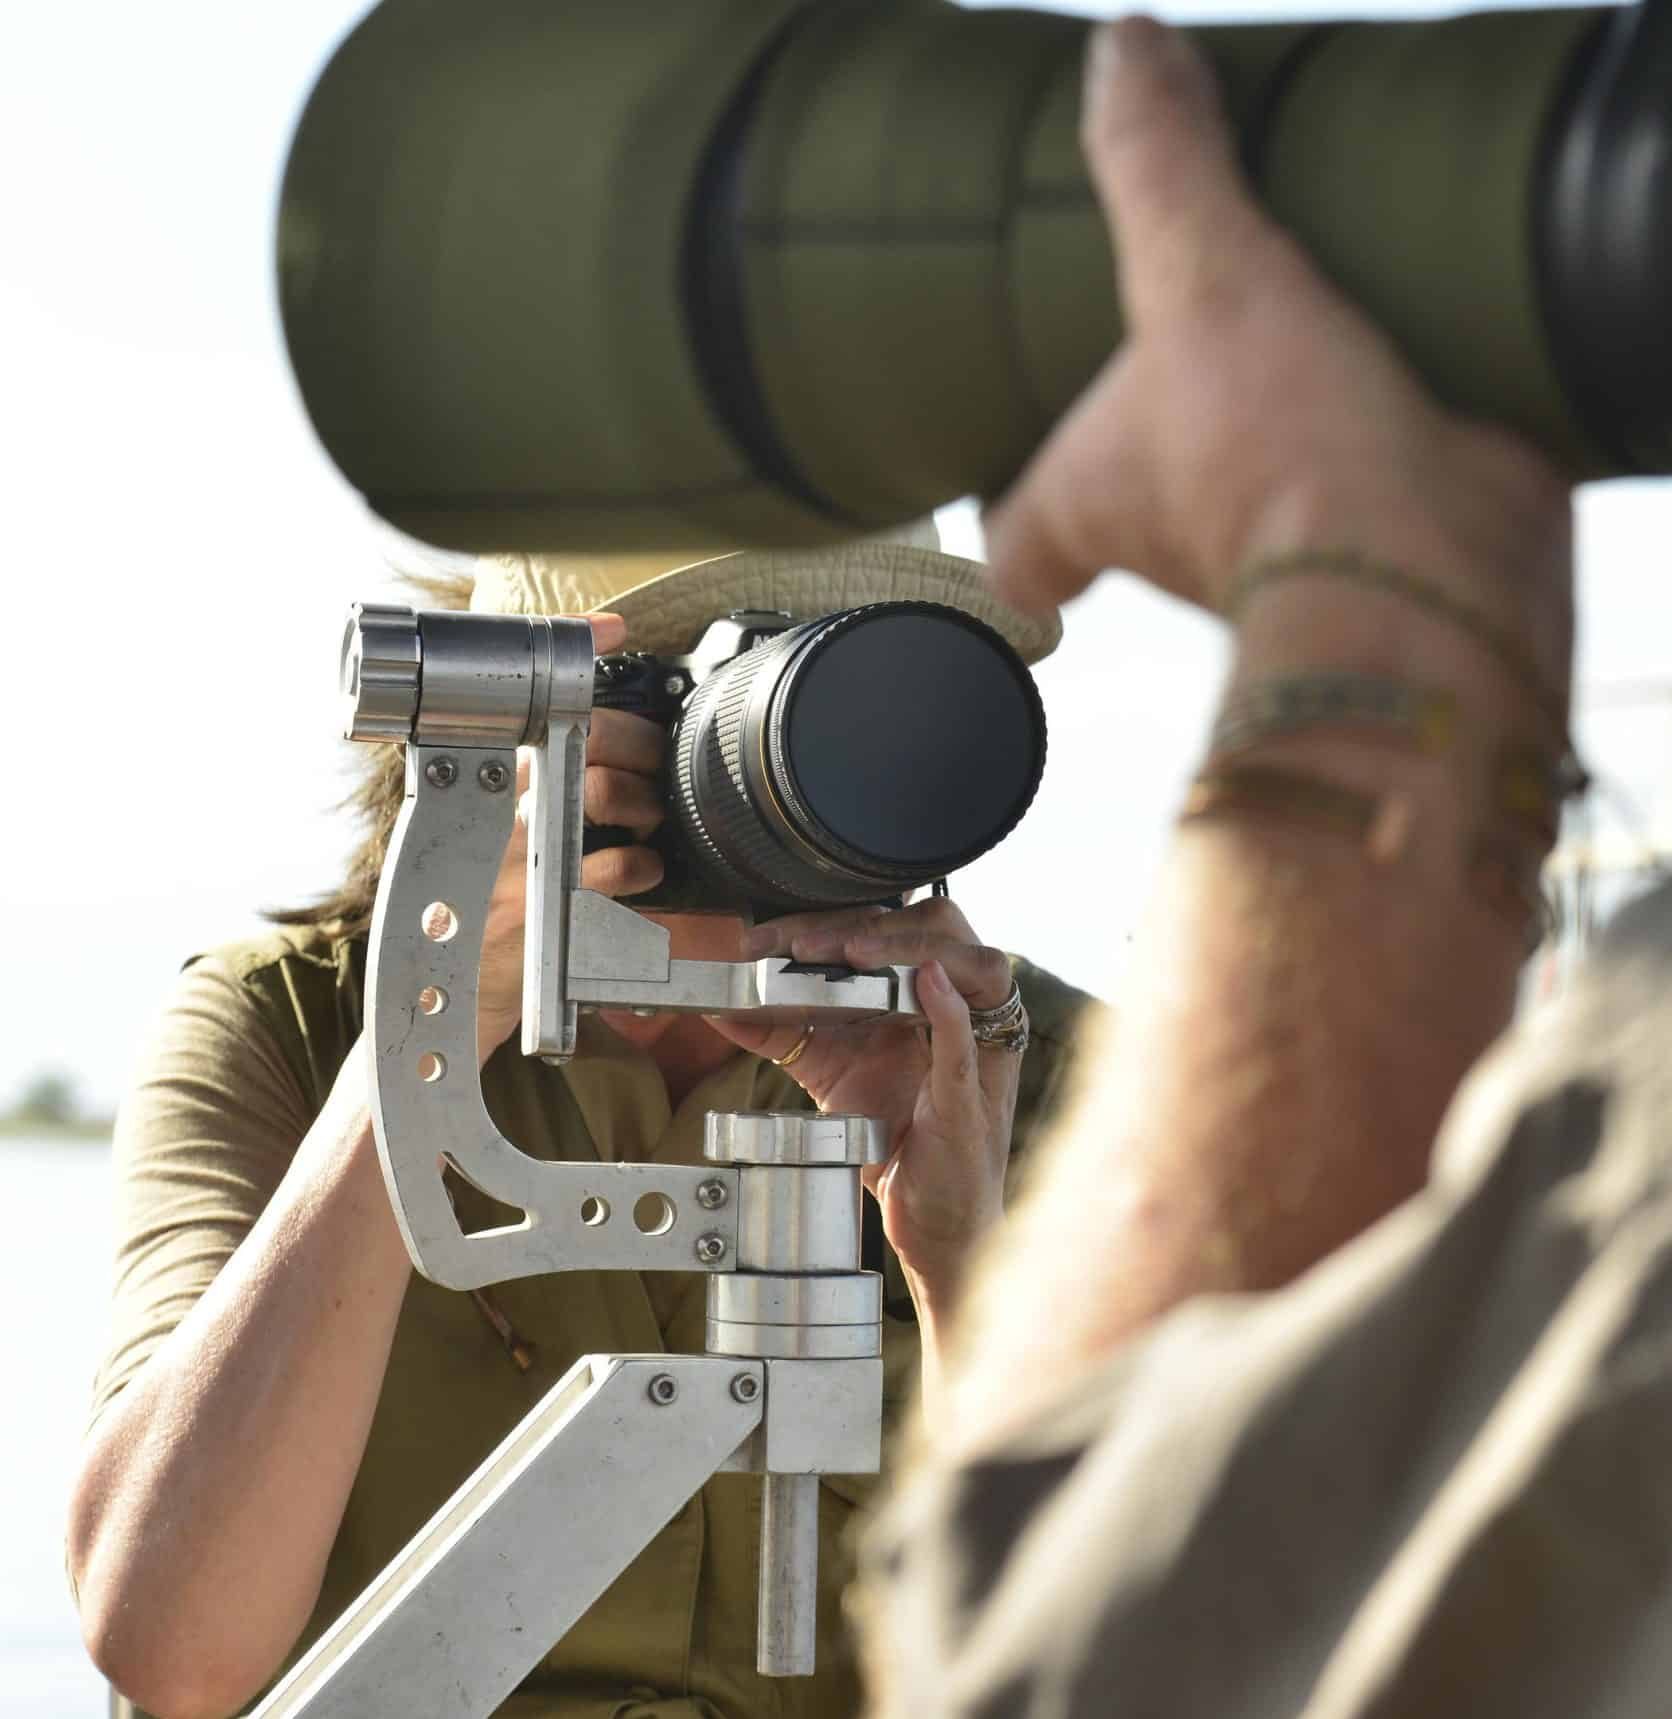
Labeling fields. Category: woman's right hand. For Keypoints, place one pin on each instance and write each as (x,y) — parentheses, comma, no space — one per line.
(623,764)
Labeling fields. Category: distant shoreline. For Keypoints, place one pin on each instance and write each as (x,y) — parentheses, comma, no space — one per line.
(84,1131)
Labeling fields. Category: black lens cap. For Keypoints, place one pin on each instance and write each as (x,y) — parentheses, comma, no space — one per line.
(914,735)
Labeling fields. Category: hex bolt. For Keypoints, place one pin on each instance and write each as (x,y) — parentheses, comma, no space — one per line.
(441,772)
(493,776)
(711,1248)
(663,1389)
(745,1387)
(711,1196)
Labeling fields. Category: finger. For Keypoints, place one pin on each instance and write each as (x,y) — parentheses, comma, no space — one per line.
(954,1075)
(1164,165)
(773,1040)
(621,871)
(820,936)
(609,633)
(778,936)
(741,1031)
(626,742)
(980,975)
(1075,509)
(621,797)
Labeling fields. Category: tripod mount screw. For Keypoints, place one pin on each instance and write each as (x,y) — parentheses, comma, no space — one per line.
(711,1248)
(663,1389)
(711,1196)
(441,772)
(493,776)
(745,1387)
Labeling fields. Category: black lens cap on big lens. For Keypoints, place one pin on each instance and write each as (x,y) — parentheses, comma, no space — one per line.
(914,735)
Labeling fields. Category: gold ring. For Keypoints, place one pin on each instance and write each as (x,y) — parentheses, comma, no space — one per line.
(795,1050)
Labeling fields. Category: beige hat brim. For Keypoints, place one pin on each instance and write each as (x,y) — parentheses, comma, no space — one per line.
(667,614)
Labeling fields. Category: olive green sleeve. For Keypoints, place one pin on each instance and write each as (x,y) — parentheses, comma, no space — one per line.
(1064,1024)
(203,1138)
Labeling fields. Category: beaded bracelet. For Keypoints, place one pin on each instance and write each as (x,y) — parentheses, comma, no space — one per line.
(1528,782)
(1348,564)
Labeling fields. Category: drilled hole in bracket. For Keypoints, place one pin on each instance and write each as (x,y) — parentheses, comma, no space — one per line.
(432,1066)
(478,1211)
(432,1000)
(654,1214)
(440,923)
(594,1211)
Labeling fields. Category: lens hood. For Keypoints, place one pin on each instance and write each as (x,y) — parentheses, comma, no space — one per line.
(1606,242)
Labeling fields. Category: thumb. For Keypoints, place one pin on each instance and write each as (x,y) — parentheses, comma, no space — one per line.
(1076,508)
(1164,165)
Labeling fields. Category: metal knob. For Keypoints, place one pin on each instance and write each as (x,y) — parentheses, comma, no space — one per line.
(379,672)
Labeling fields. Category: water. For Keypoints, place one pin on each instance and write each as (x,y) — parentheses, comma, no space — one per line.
(54,1286)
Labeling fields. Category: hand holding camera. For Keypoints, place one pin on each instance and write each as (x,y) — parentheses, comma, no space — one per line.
(947,1100)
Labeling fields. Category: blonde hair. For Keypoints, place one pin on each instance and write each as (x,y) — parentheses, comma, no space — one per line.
(374,800)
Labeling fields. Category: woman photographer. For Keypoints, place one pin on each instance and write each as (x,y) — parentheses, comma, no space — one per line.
(284,1403)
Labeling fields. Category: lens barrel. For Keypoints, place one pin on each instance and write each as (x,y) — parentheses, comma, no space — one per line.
(853,758)
(617,274)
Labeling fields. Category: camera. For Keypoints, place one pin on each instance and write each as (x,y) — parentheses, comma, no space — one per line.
(844,760)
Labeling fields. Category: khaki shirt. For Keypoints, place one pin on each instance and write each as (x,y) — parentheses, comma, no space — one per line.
(242,1064)
(1429,1479)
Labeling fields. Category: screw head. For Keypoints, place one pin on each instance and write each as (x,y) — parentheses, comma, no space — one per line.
(711,1248)
(745,1387)
(493,776)
(663,1389)
(441,772)
(674,685)
(711,1196)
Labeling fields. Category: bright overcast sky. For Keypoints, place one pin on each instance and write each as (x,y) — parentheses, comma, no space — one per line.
(181,554)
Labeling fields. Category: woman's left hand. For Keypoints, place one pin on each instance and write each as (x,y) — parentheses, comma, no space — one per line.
(946,1100)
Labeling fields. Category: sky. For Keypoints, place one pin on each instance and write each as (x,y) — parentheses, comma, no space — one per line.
(181,554)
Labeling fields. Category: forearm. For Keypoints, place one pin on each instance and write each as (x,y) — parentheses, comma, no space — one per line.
(213,1486)
(1297,1020)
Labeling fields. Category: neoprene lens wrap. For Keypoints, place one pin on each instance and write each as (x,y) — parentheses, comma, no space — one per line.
(618,273)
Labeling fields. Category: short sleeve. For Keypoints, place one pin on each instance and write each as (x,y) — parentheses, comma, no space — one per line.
(203,1138)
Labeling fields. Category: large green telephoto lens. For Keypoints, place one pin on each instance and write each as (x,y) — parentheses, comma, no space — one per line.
(624,273)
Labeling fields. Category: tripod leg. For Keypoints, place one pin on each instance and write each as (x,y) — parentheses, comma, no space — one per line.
(520,1551)
(786,1630)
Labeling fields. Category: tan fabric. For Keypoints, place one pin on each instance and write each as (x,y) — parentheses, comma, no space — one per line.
(666,606)
(1429,1479)
(241,1064)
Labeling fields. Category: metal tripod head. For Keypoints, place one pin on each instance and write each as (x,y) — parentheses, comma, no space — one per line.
(464,691)
(791,1384)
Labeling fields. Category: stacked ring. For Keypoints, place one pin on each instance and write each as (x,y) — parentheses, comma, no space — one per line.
(1006,1026)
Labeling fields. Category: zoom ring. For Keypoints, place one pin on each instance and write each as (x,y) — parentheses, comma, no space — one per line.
(696,755)
(759,836)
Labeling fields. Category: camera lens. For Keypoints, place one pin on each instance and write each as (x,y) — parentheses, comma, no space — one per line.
(857,756)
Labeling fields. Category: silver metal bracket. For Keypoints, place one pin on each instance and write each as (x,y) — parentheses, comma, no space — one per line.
(468,690)
(792,1384)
